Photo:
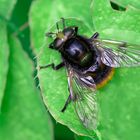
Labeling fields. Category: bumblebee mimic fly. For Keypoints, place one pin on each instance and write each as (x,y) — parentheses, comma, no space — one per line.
(90,64)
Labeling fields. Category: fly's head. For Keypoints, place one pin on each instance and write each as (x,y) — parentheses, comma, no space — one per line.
(62,37)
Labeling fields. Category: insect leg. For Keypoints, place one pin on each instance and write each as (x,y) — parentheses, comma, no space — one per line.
(66,104)
(50,34)
(76,29)
(57,67)
(51,45)
(94,36)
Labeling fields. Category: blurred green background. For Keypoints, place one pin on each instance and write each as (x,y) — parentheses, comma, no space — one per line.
(23,114)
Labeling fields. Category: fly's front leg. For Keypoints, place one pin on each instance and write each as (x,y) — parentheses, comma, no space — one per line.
(57,67)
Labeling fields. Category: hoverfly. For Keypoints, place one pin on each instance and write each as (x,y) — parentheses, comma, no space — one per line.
(90,64)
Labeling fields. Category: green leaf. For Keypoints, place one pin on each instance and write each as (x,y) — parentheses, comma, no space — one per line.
(23,114)
(128,3)
(119,100)
(4,52)
(6,7)
(54,84)
(116,121)
(84,138)
(5,12)
(114,24)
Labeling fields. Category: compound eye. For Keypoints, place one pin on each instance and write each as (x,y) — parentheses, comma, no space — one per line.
(58,43)
(68,32)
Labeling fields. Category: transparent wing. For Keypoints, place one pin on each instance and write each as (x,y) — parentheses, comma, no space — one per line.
(82,91)
(118,54)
